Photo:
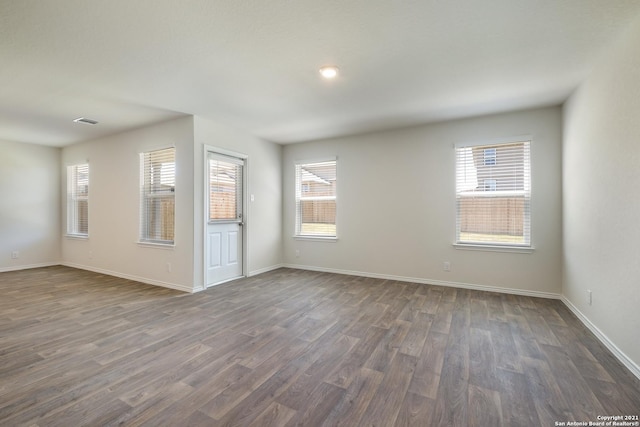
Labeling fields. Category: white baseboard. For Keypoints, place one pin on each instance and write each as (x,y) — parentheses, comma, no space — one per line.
(28,266)
(131,277)
(619,354)
(264,270)
(472,286)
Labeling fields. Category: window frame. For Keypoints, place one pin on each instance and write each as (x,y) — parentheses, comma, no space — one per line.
(298,187)
(240,166)
(496,246)
(144,237)
(74,223)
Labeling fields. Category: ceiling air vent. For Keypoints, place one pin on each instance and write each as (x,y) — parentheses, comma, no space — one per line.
(85,121)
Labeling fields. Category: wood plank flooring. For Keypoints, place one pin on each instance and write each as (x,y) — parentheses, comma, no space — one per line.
(291,348)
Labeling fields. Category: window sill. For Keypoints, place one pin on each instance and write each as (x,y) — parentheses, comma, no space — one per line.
(317,238)
(77,236)
(168,246)
(494,248)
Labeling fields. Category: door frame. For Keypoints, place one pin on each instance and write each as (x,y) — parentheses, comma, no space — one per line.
(205,212)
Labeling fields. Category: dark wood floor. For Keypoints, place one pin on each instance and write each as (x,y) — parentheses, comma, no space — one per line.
(295,348)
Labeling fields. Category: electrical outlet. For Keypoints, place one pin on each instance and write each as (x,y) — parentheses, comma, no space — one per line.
(169,267)
(297,253)
(589,297)
(446,266)
(15,255)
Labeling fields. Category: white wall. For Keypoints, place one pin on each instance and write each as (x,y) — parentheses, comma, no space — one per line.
(396,204)
(264,223)
(601,176)
(114,206)
(114,203)
(29,205)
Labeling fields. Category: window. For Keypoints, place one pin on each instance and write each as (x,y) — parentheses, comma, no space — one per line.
(78,200)
(489,156)
(225,188)
(316,199)
(490,185)
(493,194)
(157,196)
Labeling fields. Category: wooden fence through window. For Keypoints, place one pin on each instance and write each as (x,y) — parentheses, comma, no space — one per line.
(492,215)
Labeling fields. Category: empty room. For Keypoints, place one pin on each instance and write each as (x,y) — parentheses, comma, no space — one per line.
(303,213)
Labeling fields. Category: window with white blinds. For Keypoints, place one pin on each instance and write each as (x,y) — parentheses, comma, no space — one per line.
(78,200)
(493,194)
(316,199)
(225,188)
(157,196)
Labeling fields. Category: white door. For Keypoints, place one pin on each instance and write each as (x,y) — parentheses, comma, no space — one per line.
(225,218)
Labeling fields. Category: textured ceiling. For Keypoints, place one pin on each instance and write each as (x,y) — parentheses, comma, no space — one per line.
(254,64)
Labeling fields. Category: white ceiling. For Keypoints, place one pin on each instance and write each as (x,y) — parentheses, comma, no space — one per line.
(253,64)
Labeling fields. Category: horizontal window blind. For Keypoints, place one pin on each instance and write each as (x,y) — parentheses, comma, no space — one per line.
(157,196)
(225,188)
(78,200)
(493,194)
(316,199)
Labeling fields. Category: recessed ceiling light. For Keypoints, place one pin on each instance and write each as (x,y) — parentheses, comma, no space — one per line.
(85,121)
(329,71)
